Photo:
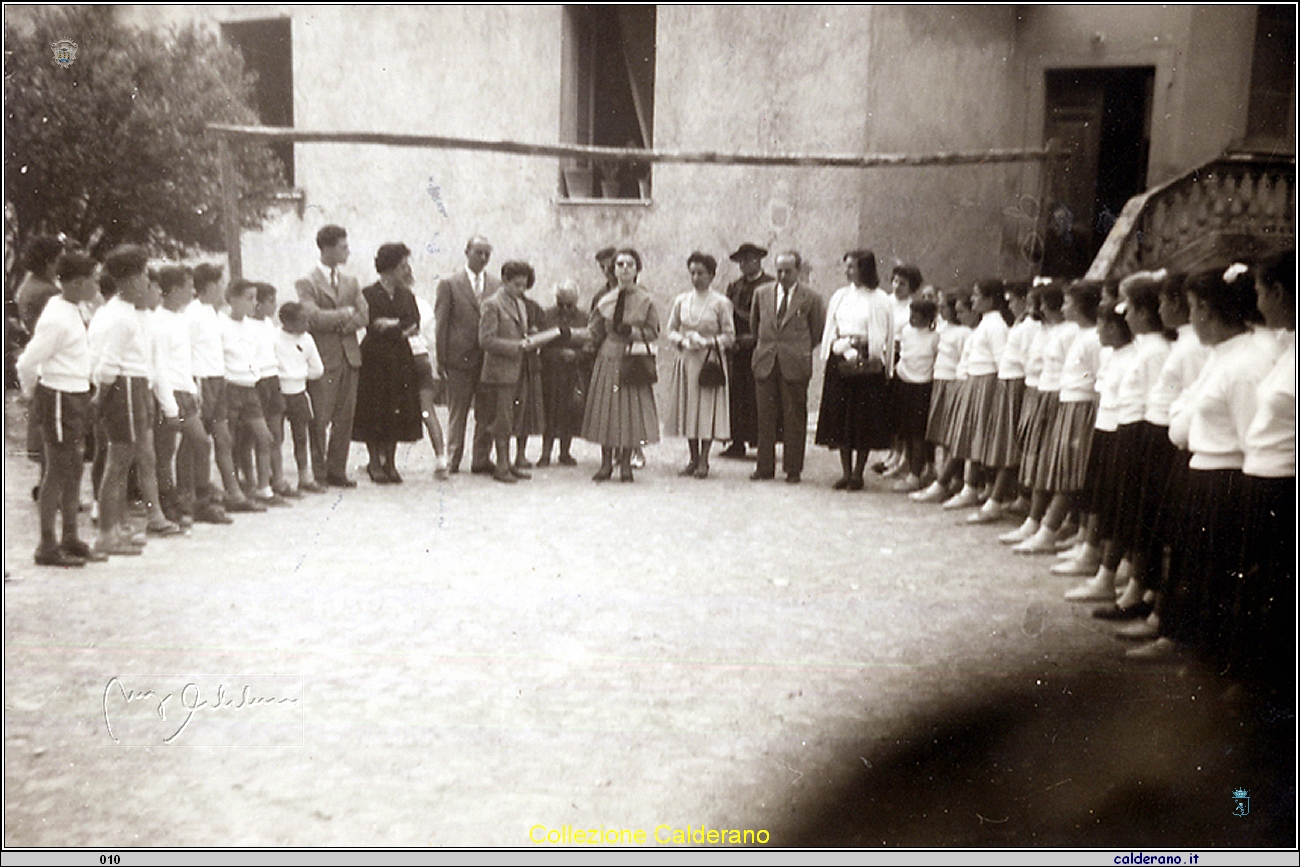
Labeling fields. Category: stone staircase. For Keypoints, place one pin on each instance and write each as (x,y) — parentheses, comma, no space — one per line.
(1239,205)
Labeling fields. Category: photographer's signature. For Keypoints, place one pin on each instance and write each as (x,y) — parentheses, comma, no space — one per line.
(189,702)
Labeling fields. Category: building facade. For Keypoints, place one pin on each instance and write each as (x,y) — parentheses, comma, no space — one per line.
(1138,94)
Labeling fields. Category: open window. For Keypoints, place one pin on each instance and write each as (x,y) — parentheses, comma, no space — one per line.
(608,78)
(267,48)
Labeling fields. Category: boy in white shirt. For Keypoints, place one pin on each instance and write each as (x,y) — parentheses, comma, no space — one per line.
(188,494)
(240,339)
(298,360)
(54,371)
(121,368)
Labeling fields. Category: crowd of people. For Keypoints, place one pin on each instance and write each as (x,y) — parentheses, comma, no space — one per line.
(1126,423)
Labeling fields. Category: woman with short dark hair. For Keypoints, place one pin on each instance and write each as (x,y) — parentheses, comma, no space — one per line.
(620,413)
(701,326)
(388,400)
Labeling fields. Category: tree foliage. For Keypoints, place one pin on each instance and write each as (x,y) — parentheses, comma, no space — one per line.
(113,149)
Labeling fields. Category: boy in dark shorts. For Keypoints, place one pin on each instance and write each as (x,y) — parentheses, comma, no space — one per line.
(240,339)
(299,360)
(54,370)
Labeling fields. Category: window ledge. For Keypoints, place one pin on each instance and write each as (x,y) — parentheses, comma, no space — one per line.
(617,203)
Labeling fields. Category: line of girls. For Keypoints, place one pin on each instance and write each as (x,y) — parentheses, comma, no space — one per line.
(1149,430)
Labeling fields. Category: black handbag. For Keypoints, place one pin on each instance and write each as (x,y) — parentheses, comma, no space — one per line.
(638,366)
(863,365)
(711,373)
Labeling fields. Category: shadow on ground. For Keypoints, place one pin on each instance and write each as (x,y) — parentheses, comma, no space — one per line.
(1089,759)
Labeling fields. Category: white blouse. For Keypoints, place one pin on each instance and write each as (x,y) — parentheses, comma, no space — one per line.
(1270,439)
(1055,346)
(918,349)
(987,343)
(1181,368)
(1016,352)
(1034,356)
(1115,363)
(1079,372)
(952,340)
(1150,351)
(858,312)
(1211,418)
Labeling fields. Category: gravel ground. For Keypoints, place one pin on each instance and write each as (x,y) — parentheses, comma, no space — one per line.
(463,662)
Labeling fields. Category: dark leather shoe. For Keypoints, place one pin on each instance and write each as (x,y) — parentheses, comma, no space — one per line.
(57,557)
(519,474)
(340,482)
(735,450)
(523,463)
(842,483)
(568,461)
(793,479)
(78,548)
(604,474)
(504,476)
(1114,612)
(483,470)
(855,484)
(393,475)
(757,476)
(212,515)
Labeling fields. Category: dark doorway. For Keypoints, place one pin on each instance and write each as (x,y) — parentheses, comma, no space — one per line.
(1103,118)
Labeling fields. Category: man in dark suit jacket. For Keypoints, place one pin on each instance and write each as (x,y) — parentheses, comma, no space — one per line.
(336,310)
(787,321)
(460,360)
(502,329)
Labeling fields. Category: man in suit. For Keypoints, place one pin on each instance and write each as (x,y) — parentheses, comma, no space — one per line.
(502,333)
(787,321)
(460,360)
(335,310)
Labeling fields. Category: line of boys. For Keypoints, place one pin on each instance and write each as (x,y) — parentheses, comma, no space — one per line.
(163,378)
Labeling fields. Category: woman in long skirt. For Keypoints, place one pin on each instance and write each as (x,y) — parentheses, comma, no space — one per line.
(701,326)
(858,348)
(620,413)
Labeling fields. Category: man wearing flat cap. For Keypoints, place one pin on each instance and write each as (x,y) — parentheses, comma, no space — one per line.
(744,404)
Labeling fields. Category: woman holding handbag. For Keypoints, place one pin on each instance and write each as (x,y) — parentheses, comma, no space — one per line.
(620,413)
(858,348)
(702,328)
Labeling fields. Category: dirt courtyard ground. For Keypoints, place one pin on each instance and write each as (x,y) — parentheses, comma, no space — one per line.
(463,663)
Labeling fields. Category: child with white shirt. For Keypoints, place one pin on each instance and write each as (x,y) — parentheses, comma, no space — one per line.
(268,391)
(241,337)
(121,363)
(298,360)
(1064,461)
(956,311)
(54,371)
(914,380)
(180,435)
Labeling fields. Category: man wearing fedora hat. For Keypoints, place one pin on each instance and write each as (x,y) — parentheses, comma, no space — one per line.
(744,403)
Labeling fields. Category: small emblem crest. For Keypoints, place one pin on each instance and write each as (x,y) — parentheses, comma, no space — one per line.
(65,51)
(1241,800)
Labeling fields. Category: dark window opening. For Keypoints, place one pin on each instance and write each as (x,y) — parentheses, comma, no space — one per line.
(267,48)
(1270,118)
(1103,118)
(608,86)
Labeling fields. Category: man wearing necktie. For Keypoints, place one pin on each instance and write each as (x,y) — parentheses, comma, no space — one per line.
(460,360)
(787,322)
(336,310)
(502,333)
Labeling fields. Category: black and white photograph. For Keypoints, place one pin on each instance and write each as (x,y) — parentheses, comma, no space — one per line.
(556,428)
